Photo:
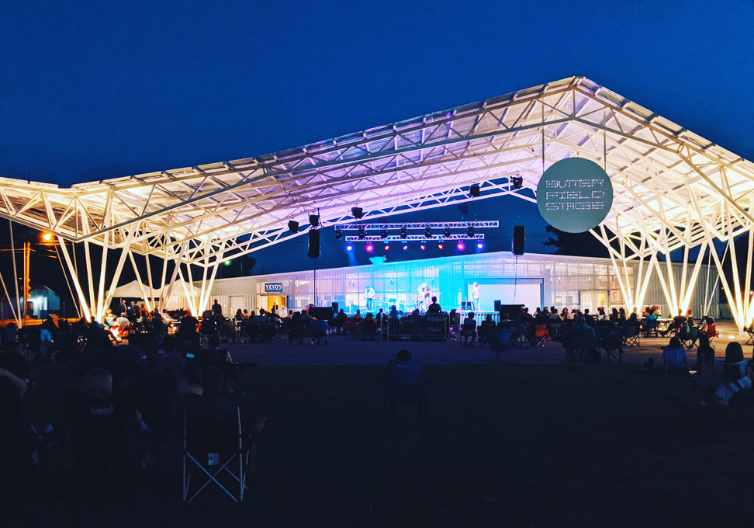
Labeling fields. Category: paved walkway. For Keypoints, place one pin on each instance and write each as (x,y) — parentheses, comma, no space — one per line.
(352,351)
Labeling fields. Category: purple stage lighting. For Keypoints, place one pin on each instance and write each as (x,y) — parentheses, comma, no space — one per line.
(405,247)
(461,246)
(422,247)
(370,248)
(480,245)
(349,247)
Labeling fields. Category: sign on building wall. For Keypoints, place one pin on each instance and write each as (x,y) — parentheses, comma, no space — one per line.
(273,287)
(574,195)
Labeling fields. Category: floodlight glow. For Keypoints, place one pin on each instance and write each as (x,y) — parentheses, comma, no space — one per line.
(405,247)
(47,237)
(480,245)
(461,246)
(227,263)
(370,248)
(387,247)
(422,247)
(440,246)
(349,247)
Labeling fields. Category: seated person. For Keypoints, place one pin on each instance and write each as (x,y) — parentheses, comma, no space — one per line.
(485,329)
(434,308)
(340,321)
(674,359)
(735,374)
(678,322)
(468,330)
(708,329)
(14,362)
(580,336)
(368,326)
(188,324)
(252,423)
(357,316)
(320,329)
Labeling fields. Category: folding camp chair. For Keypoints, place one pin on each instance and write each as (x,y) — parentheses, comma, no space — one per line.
(541,335)
(500,341)
(750,330)
(632,336)
(689,338)
(650,328)
(214,441)
(611,347)
(580,346)
(405,388)
(468,334)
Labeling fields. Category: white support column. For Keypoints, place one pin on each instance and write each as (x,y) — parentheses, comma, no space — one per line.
(141,285)
(218,262)
(175,271)
(101,292)
(90,280)
(189,298)
(121,262)
(76,282)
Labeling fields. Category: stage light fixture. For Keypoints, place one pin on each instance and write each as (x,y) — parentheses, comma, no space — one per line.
(474,190)
(470,231)
(46,236)
(427,233)
(383,234)
(370,248)
(357,212)
(387,247)
(480,245)
(404,233)
(517,182)
(227,263)
(446,234)
(338,233)
(405,247)
(362,233)
(461,246)
(293,226)
(349,247)
(314,220)
(422,247)
(440,246)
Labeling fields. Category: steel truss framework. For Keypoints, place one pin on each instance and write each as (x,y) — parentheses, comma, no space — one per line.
(673,189)
(416,225)
(414,238)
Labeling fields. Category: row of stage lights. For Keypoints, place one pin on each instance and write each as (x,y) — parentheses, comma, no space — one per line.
(404,233)
(461,246)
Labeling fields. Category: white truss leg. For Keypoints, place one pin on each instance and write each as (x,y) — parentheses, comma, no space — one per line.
(76,283)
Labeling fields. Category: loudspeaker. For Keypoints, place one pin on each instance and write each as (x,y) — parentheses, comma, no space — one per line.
(497,305)
(335,307)
(357,212)
(313,243)
(519,237)
(474,190)
(293,226)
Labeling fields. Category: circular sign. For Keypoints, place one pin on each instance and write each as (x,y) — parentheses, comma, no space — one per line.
(574,195)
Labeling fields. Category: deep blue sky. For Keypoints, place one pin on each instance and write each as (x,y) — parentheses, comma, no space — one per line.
(94,90)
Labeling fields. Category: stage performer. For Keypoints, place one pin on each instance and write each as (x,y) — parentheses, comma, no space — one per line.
(424,297)
(476,292)
(369,292)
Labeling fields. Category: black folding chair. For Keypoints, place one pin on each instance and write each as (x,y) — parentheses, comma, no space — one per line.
(213,443)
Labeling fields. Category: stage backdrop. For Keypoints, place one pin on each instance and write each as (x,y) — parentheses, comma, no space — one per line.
(508,291)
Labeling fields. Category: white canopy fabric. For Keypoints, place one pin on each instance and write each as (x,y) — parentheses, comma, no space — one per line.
(132,290)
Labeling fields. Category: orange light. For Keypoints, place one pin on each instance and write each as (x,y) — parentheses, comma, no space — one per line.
(47,237)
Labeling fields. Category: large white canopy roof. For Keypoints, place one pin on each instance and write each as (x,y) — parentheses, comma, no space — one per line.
(674,186)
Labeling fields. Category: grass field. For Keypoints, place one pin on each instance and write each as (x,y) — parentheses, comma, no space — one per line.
(503,445)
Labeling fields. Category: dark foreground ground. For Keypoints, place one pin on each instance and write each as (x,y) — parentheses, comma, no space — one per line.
(504,445)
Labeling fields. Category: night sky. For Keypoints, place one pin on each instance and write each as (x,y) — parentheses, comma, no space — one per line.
(96,90)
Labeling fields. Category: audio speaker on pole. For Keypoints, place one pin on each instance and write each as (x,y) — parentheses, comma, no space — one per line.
(313,243)
(335,307)
(519,237)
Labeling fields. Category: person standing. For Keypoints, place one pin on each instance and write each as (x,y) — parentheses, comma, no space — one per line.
(476,293)
(217,309)
(369,293)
